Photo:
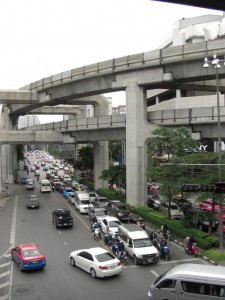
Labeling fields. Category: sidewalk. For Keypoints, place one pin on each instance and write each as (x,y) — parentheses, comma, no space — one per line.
(7,192)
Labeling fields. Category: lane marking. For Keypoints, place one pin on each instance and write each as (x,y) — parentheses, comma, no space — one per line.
(5,264)
(154,273)
(65,243)
(4,284)
(4,274)
(5,297)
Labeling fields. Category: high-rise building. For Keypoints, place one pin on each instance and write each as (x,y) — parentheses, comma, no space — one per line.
(26,121)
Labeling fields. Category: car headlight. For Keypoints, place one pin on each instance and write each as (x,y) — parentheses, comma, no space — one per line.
(120,214)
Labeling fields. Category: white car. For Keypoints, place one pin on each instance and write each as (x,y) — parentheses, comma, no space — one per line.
(92,196)
(71,199)
(96,261)
(110,225)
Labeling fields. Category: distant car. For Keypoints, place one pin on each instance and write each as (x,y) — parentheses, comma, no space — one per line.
(119,210)
(110,225)
(61,217)
(96,261)
(98,213)
(37,173)
(100,202)
(61,187)
(32,169)
(71,199)
(67,192)
(154,202)
(207,205)
(33,202)
(24,179)
(92,196)
(45,168)
(175,211)
(28,257)
(30,184)
(199,219)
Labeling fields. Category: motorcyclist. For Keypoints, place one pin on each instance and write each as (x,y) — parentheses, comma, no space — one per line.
(95,226)
(121,249)
(163,243)
(191,241)
(153,236)
(116,246)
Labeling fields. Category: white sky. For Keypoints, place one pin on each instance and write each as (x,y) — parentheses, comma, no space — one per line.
(40,38)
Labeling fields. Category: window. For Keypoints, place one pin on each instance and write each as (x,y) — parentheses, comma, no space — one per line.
(167,284)
(203,288)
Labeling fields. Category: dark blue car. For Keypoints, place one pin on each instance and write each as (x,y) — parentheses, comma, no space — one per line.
(24,179)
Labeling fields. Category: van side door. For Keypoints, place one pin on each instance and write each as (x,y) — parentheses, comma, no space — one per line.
(166,289)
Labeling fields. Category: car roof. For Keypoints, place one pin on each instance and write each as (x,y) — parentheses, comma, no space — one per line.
(32,196)
(62,210)
(98,208)
(28,246)
(96,250)
(110,218)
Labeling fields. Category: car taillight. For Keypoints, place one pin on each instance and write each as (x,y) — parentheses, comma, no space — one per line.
(103,267)
(119,263)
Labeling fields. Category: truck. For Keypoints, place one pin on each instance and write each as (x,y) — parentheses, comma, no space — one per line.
(61,217)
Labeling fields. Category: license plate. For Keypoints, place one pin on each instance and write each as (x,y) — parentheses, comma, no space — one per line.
(35,261)
(65,224)
(149,260)
(112,266)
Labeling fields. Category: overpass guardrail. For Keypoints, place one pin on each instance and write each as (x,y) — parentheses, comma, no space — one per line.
(198,115)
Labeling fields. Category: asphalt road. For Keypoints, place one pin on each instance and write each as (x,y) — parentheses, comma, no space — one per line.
(59,280)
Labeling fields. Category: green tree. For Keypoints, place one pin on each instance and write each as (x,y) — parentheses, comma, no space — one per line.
(85,159)
(115,175)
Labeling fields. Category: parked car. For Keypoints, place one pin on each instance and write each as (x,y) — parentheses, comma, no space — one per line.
(110,225)
(96,261)
(61,187)
(45,168)
(37,172)
(119,210)
(61,217)
(199,219)
(32,169)
(33,202)
(182,203)
(175,211)
(67,192)
(98,213)
(30,184)
(28,257)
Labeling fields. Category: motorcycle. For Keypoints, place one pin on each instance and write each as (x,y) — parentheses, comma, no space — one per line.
(165,252)
(156,243)
(108,239)
(121,255)
(96,234)
(166,235)
(193,250)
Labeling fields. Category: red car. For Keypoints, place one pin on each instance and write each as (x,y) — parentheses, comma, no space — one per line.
(207,205)
(28,257)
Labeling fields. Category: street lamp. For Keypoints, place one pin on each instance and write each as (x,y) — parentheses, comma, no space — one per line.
(216,63)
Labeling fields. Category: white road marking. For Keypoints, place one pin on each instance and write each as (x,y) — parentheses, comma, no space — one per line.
(5,297)
(154,273)
(65,243)
(178,261)
(5,264)
(4,274)
(4,284)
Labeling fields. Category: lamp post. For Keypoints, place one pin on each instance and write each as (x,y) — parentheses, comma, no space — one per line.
(216,62)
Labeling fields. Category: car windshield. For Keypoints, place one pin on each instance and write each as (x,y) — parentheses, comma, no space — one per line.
(31,252)
(69,191)
(142,243)
(104,257)
(100,213)
(103,200)
(85,202)
(174,207)
(114,223)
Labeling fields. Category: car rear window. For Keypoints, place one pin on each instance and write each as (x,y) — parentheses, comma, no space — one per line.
(104,257)
(31,252)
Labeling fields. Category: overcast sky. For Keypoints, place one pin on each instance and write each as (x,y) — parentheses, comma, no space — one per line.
(40,38)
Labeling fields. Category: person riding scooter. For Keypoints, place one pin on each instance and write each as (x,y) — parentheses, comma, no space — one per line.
(163,243)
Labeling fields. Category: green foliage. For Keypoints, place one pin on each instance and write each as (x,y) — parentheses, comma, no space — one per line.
(85,159)
(176,227)
(112,195)
(115,175)
(214,254)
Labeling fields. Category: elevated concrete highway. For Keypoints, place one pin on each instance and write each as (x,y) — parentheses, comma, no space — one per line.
(179,67)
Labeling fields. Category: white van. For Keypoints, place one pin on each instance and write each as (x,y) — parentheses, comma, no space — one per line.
(82,201)
(190,281)
(137,244)
(45,186)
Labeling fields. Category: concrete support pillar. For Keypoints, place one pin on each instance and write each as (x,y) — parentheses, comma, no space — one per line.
(101,163)
(136,152)
(178,93)
(7,150)
(0,168)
